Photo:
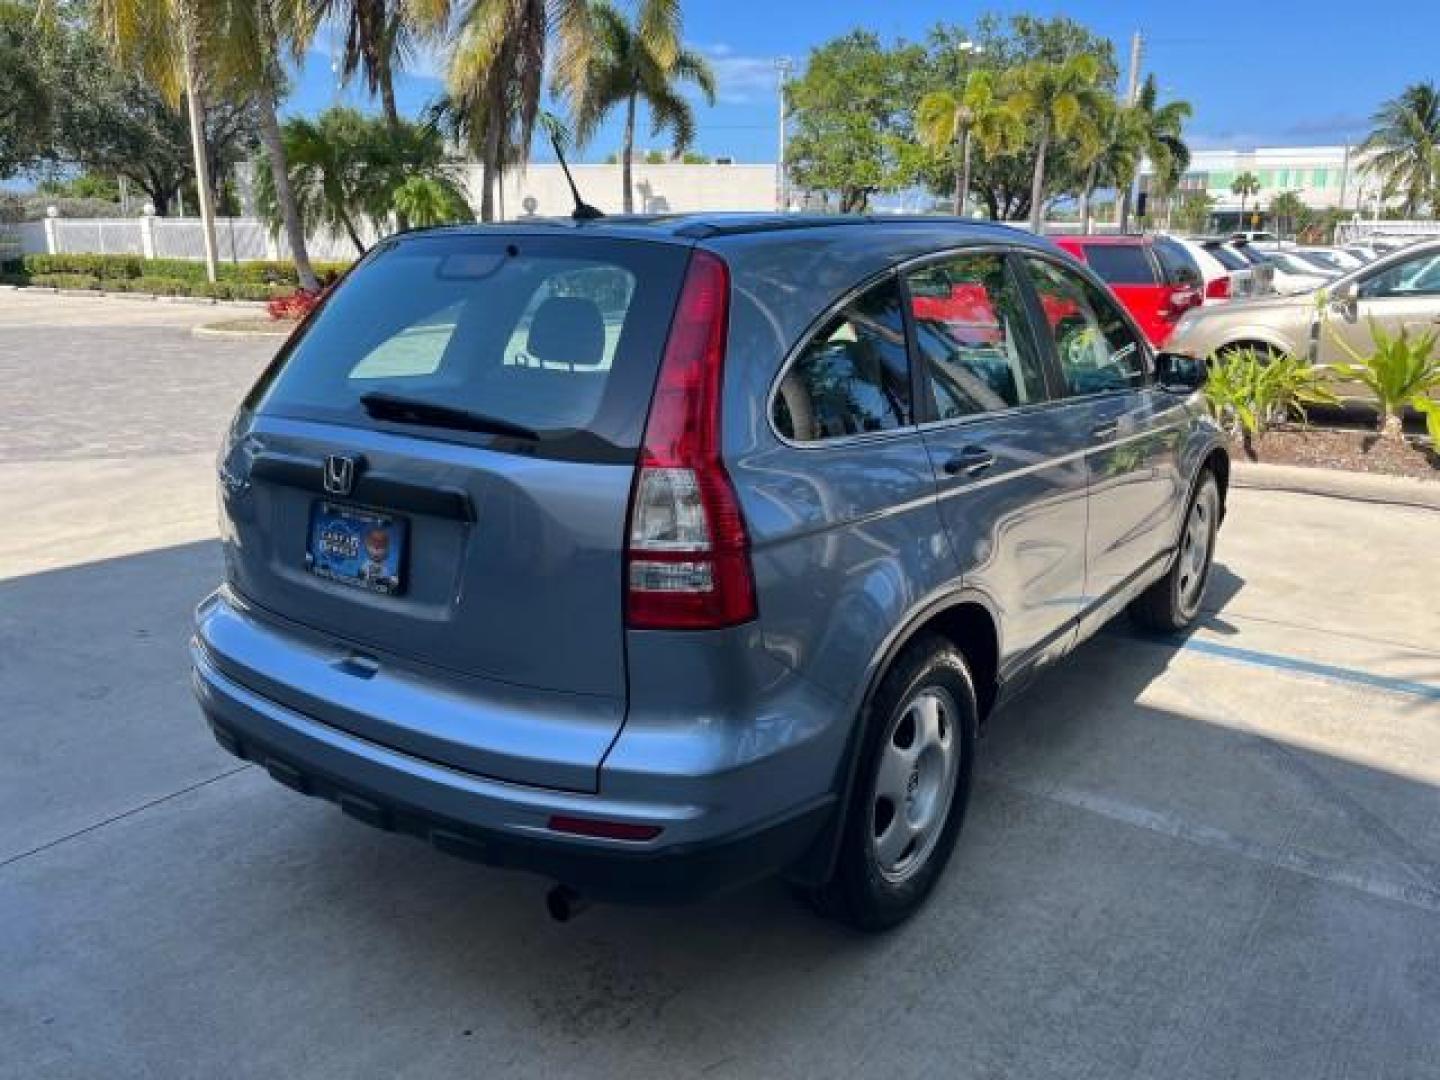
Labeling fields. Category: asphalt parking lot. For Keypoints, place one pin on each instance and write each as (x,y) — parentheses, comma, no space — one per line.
(1216,857)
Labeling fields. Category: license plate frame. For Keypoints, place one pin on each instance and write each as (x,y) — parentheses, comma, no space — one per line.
(357,547)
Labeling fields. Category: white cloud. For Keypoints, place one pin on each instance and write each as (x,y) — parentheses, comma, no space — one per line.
(740,79)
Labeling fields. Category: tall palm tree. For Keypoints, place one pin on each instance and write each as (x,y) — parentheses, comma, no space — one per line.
(639,62)
(1245,185)
(248,43)
(979,113)
(497,72)
(162,40)
(1054,97)
(382,37)
(1108,147)
(1404,146)
(1160,129)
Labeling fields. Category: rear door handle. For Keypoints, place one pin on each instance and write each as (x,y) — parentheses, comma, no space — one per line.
(1107,430)
(971,460)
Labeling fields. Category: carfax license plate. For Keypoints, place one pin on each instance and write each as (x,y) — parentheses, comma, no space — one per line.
(356,547)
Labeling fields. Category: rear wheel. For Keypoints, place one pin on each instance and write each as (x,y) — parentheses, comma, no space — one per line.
(911,790)
(1173,602)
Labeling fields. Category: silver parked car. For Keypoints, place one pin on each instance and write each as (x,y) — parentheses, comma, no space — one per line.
(656,555)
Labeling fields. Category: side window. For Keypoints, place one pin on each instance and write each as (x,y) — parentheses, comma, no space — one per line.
(1120,264)
(1419,276)
(970,326)
(1097,349)
(853,377)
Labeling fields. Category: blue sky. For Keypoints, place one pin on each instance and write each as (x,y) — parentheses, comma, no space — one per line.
(1262,72)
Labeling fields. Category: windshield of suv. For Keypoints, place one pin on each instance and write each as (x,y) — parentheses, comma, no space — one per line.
(560,336)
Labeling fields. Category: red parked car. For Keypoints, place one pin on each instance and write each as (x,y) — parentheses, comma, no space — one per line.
(1155,291)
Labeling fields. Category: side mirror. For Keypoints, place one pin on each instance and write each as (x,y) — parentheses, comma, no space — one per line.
(1176,373)
(1344,295)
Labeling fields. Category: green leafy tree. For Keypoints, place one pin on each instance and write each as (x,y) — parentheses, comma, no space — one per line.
(1245,185)
(1108,145)
(1190,211)
(383,37)
(643,61)
(25,93)
(1053,97)
(430,200)
(1403,147)
(497,72)
(852,109)
(978,114)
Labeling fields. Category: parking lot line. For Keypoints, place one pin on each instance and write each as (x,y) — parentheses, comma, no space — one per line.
(1278,662)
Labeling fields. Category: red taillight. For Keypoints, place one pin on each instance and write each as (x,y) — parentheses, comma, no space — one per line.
(687,559)
(607,830)
(1218,288)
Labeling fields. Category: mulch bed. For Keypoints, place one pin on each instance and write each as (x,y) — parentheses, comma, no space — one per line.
(1354,451)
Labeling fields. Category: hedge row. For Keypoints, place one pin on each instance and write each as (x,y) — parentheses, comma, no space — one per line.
(162,286)
(111,268)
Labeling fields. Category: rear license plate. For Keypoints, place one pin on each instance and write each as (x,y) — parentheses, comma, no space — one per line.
(361,548)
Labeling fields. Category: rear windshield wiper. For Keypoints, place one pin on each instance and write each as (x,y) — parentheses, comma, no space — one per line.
(430,414)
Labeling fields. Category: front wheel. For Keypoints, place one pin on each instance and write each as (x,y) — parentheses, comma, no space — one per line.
(910,792)
(1173,603)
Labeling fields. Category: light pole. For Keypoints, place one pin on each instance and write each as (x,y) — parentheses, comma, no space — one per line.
(783,66)
(967,48)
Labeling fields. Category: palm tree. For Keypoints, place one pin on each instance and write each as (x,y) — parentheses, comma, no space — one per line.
(347,170)
(1159,128)
(1054,97)
(497,72)
(161,39)
(978,114)
(1404,146)
(1108,149)
(248,40)
(381,37)
(639,62)
(1245,185)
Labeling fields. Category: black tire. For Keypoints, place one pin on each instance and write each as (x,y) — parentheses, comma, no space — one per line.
(860,893)
(1173,603)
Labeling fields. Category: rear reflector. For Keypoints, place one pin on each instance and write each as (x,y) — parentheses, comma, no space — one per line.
(687,557)
(1218,288)
(605,830)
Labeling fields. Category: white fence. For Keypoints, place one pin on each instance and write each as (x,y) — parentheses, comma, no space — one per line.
(1348,232)
(236,239)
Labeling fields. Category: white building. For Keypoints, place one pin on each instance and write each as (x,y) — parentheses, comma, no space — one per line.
(1325,177)
(659,189)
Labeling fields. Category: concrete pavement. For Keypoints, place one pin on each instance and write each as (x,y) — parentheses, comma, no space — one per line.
(1187,859)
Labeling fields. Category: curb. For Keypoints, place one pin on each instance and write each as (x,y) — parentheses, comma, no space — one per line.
(220,333)
(203,301)
(1337,484)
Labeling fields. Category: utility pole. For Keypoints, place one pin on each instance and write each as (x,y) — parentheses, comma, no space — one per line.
(1132,94)
(783,66)
(1137,45)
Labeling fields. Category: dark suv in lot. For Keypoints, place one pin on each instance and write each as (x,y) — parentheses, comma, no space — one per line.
(656,555)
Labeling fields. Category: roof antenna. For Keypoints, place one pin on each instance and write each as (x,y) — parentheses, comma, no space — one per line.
(556,130)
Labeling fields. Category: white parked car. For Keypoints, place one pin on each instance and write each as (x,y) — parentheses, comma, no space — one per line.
(1225,274)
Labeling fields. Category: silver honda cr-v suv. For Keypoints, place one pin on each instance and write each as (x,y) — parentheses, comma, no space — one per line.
(656,555)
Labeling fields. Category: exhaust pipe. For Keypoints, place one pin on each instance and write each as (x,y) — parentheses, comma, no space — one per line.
(564,903)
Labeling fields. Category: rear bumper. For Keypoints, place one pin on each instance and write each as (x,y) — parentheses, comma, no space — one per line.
(495,822)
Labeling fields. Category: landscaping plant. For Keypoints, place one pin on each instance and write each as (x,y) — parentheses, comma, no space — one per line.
(1249,391)
(1401,371)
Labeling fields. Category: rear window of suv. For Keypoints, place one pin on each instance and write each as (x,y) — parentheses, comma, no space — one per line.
(558,335)
(1120,264)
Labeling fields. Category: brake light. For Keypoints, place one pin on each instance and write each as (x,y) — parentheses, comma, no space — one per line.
(687,559)
(1218,288)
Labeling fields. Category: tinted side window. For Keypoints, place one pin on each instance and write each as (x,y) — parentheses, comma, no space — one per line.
(1120,264)
(970,326)
(1096,347)
(1177,264)
(853,377)
(1413,277)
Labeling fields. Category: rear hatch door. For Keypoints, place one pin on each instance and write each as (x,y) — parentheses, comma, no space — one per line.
(435,475)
